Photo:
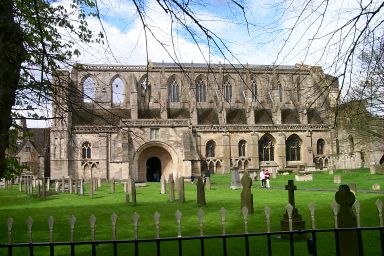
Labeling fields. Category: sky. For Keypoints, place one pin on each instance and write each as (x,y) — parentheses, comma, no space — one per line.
(242,31)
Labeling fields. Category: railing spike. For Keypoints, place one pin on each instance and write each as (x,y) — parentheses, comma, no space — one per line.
(51,222)
(200,216)
(289,209)
(9,226)
(178,215)
(114,221)
(135,219)
(267,212)
(357,209)
(223,214)
(156,217)
(30,223)
(312,208)
(379,206)
(244,212)
(92,221)
(335,208)
(72,222)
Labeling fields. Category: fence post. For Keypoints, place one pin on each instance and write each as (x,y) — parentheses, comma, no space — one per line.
(311,243)
(51,221)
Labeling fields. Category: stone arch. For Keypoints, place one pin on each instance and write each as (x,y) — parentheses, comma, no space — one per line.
(242,145)
(211,167)
(88,88)
(174,88)
(118,90)
(201,85)
(210,148)
(219,167)
(290,116)
(320,146)
(228,87)
(170,162)
(263,116)
(246,164)
(293,148)
(267,147)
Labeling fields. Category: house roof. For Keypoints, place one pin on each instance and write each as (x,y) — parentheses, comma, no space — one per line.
(38,137)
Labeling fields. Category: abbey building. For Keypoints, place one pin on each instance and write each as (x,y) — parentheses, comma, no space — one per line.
(150,121)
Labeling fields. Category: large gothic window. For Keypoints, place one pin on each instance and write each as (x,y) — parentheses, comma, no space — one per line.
(89,90)
(86,150)
(201,91)
(173,91)
(118,91)
(293,148)
(266,149)
(242,145)
(145,89)
(227,90)
(254,90)
(210,149)
(320,146)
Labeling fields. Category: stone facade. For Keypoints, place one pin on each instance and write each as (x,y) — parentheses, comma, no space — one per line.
(151,121)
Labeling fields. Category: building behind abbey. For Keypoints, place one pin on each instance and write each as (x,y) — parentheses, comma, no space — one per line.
(151,121)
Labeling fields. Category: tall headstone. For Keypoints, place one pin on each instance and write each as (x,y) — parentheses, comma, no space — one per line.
(81,187)
(63,185)
(171,183)
(99,182)
(133,192)
(200,192)
(180,186)
(235,180)
(346,218)
(246,193)
(163,185)
(48,184)
(91,188)
(208,183)
(70,184)
(297,221)
(76,186)
(56,186)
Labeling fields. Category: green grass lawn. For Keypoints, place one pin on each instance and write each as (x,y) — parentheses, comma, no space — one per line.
(149,200)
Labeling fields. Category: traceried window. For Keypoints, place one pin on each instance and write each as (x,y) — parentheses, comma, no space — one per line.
(210,149)
(242,145)
(89,90)
(145,90)
(227,90)
(173,91)
(293,148)
(320,146)
(155,133)
(118,91)
(86,150)
(201,91)
(254,90)
(266,149)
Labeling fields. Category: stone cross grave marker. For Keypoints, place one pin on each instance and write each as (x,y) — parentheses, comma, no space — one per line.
(297,223)
(200,192)
(171,188)
(246,193)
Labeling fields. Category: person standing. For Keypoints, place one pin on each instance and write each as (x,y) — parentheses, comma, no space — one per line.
(262,178)
(267,175)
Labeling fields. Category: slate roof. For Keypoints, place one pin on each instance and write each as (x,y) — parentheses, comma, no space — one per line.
(39,138)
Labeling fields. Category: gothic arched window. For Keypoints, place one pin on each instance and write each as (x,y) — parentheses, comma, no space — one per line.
(201,91)
(254,90)
(173,91)
(242,144)
(227,90)
(266,149)
(210,149)
(118,91)
(320,146)
(293,148)
(89,90)
(86,150)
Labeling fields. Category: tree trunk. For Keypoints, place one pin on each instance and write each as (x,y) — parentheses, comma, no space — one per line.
(12,54)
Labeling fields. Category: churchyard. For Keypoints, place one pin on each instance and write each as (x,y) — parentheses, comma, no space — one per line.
(61,206)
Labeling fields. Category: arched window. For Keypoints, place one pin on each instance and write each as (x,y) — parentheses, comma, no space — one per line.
(201,91)
(351,144)
(254,89)
(242,144)
(293,148)
(173,91)
(320,146)
(118,91)
(86,150)
(89,90)
(210,149)
(227,90)
(266,149)
(145,89)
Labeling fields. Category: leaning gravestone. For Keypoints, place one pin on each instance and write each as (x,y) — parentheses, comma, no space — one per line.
(297,222)
(180,185)
(171,188)
(163,189)
(235,180)
(200,192)
(246,193)
(208,182)
(346,218)
(337,179)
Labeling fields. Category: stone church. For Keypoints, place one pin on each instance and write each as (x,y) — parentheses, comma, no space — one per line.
(188,119)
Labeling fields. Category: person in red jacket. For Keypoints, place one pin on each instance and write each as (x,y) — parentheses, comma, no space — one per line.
(267,175)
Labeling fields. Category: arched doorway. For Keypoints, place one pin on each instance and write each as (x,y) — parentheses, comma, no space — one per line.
(153,169)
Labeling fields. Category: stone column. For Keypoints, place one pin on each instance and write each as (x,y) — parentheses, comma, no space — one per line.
(253,151)
(280,156)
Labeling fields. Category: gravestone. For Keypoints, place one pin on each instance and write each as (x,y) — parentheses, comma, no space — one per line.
(76,186)
(171,188)
(353,188)
(200,192)
(208,183)
(48,184)
(43,185)
(62,185)
(235,180)
(56,186)
(376,186)
(372,168)
(133,192)
(70,185)
(91,185)
(180,186)
(297,221)
(337,179)
(346,218)
(305,177)
(113,186)
(163,189)
(99,182)
(246,193)
(81,187)
(20,185)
